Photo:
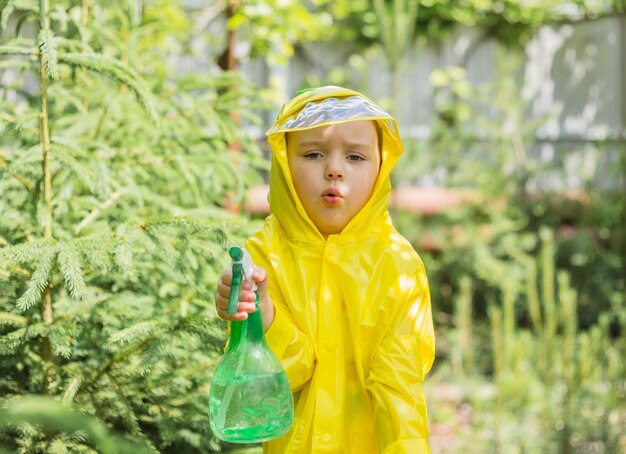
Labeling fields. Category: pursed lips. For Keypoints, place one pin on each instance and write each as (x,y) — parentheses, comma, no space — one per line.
(332,196)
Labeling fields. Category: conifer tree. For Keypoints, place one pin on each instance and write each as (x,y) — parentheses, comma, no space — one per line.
(113,231)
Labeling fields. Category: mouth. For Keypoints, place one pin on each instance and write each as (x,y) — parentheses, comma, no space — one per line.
(332,196)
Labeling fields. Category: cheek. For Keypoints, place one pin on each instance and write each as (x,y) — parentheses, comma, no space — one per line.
(303,180)
(371,179)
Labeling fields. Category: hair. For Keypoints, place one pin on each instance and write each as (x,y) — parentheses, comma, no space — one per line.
(379,134)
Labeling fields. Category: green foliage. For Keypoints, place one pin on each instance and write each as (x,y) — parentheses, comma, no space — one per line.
(530,315)
(113,68)
(482,144)
(509,21)
(397,25)
(72,429)
(271,27)
(141,172)
(539,386)
(578,386)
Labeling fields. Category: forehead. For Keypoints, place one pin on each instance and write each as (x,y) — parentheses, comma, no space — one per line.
(363,132)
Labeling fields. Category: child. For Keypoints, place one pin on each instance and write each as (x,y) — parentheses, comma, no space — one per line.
(344,297)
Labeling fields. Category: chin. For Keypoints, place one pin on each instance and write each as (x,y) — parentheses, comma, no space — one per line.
(331,230)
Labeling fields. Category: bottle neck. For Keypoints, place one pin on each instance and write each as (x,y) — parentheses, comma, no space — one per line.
(255,326)
(237,332)
(250,329)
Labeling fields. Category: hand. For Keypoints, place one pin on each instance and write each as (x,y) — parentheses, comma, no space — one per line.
(246,297)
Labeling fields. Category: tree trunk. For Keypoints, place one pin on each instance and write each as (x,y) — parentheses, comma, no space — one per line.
(46,303)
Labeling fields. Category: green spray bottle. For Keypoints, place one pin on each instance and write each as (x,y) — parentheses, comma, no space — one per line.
(250,399)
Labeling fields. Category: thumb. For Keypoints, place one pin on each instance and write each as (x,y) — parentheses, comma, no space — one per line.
(259,276)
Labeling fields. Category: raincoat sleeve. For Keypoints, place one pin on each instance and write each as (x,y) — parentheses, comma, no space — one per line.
(292,347)
(397,372)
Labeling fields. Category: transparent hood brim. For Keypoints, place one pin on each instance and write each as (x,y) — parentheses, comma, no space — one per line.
(330,111)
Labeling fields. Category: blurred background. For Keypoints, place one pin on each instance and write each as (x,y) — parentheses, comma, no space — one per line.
(132,154)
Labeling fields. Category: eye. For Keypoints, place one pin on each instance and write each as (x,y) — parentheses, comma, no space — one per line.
(312,155)
(355,157)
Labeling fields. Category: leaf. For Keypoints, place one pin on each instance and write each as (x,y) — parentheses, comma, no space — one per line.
(38,281)
(117,70)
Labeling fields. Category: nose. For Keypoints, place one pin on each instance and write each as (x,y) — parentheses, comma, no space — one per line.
(334,170)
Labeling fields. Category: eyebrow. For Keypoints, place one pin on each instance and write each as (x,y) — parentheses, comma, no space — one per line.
(317,143)
(310,143)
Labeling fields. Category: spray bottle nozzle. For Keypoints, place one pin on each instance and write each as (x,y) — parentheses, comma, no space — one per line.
(236,253)
(242,269)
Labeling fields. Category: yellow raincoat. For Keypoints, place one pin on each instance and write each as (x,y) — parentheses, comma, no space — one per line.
(353,326)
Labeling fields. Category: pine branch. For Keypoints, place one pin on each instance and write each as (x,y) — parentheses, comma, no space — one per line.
(18,176)
(123,255)
(209,330)
(117,70)
(116,359)
(17,50)
(22,42)
(29,156)
(95,251)
(48,53)
(72,389)
(10,342)
(217,230)
(189,178)
(10,6)
(38,282)
(60,341)
(72,271)
(128,415)
(82,308)
(63,154)
(93,215)
(136,332)
(8,319)
(26,252)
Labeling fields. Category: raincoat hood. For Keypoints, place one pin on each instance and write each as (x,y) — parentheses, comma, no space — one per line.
(321,107)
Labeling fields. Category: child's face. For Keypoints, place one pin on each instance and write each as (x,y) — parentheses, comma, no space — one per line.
(334,169)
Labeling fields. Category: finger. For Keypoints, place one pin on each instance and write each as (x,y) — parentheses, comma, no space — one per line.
(259,274)
(243,309)
(237,316)
(246,307)
(222,298)
(227,277)
(223,289)
(246,301)
(247,296)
